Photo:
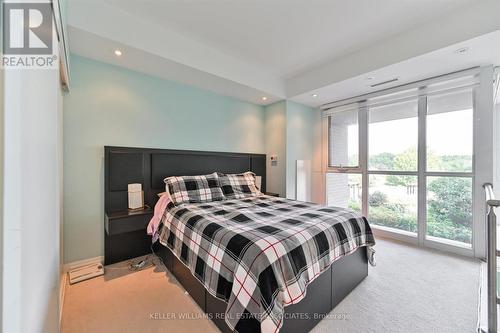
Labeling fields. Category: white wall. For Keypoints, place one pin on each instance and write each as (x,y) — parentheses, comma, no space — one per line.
(1,173)
(32,201)
(302,124)
(1,183)
(484,151)
(318,181)
(496,142)
(60,192)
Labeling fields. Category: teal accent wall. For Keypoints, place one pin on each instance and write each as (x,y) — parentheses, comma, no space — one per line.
(292,132)
(110,105)
(303,133)
(275,143)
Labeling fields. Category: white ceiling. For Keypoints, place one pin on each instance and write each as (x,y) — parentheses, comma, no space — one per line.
(97,47)
(284,48)
(288,36)
(480,51)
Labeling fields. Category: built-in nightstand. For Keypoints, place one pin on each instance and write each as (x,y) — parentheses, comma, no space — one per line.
(125,235)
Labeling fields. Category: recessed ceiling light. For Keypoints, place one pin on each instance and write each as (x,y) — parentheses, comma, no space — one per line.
(264,98)
(118,52)
(462,50)
(314,95)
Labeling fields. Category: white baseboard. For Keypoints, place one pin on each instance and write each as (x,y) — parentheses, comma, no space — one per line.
(69,266)
(62,293)
(64,278)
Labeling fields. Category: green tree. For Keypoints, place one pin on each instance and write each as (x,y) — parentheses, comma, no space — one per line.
(449,212)
(382,161)
(377,199)
(393,216)
(406,161)
(451,200)
(456,163)
(433,161)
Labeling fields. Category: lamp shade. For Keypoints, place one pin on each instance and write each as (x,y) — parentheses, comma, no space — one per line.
(258,181)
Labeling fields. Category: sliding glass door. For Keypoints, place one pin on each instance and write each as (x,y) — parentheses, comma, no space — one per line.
(449,167)
(407,162)
(392,165)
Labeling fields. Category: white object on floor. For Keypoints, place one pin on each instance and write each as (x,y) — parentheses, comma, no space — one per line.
(85,272)
(303,180)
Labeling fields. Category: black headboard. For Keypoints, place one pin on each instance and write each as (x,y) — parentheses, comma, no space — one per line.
(124,165)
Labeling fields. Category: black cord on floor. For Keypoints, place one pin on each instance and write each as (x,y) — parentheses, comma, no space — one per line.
(148,261)
(157,257)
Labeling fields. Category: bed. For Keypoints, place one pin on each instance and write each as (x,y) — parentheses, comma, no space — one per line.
(252,264)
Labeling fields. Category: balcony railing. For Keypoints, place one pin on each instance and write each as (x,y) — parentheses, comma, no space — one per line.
(491,258)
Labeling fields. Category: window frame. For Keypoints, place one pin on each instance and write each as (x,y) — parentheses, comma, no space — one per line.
(482,169)
(340,168)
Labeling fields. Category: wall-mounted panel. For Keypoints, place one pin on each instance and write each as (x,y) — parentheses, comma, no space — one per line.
(193,163)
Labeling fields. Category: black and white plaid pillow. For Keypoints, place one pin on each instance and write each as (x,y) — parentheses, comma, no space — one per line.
(238,186)
(194,189)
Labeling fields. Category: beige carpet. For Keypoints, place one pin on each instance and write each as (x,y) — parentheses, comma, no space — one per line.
(410,290)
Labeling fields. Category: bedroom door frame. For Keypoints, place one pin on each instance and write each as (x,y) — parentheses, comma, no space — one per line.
(482,158)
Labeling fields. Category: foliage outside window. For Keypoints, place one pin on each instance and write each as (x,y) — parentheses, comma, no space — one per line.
(449,208)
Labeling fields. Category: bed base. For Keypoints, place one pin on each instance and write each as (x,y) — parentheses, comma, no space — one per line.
(323,294)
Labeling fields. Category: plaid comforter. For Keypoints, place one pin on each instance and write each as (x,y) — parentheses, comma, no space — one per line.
(259,253)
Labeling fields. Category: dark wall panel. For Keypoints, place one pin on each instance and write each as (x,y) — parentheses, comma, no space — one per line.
(188,164)
(125,168)
(124,165)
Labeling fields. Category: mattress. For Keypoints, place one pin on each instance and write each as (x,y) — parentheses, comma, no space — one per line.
(259,253)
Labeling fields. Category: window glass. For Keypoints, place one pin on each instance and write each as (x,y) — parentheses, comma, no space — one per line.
(392,202)
(449,132)
(344,139)
(449,208)
(344,190)
(393,137)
